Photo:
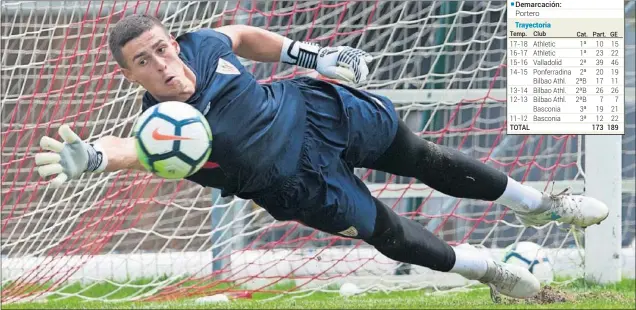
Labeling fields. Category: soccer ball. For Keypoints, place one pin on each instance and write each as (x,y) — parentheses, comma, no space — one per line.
(173,139)
(532,256)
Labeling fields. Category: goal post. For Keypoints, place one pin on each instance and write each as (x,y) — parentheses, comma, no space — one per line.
(441,62)
(603,180)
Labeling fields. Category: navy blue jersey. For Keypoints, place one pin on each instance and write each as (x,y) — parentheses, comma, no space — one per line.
(260,130)
(254,130)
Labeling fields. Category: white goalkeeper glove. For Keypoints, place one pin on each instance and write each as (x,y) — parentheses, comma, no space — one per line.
(70,159)
(342,62)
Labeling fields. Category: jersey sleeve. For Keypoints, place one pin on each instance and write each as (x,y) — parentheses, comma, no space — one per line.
(213,34)
(205,45)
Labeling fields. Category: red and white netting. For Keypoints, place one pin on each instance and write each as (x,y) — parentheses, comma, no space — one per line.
(146,238)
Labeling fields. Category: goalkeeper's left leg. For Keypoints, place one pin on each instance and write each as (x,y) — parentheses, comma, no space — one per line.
(350,210)
(407,241)
(456,174)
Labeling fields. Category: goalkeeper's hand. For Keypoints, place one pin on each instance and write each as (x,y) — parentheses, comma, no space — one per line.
(342,62)
(67,160)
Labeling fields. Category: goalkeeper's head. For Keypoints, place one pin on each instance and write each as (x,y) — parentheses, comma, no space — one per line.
(149,55)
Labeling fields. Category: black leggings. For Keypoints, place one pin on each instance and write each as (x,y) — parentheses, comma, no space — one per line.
(407,241)
(442,168)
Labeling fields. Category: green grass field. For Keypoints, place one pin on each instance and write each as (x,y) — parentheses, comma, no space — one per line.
(576,294)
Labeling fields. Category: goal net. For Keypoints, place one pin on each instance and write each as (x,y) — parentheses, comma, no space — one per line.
(132,236)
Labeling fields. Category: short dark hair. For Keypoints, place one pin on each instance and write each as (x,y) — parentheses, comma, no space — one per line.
(128,29)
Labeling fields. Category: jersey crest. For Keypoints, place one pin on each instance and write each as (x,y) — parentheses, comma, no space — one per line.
(225,67)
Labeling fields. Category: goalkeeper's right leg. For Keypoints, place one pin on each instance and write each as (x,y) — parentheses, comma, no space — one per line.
(456,174)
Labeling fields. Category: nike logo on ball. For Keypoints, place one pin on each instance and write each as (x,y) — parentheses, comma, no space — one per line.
(161,137)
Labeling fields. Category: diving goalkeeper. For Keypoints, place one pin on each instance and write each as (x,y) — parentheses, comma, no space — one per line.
(291,146)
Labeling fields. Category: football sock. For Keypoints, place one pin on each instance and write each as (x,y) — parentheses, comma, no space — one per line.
(469,263)
(519,197)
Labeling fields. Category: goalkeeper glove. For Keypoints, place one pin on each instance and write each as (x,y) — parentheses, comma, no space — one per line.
(70,159)
(342,62)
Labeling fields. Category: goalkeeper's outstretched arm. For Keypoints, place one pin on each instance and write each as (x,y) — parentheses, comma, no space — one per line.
(70,159)
(254,43)
(120,153)
(342,63)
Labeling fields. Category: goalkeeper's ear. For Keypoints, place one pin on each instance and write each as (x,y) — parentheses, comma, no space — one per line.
(128,75)
(175,44)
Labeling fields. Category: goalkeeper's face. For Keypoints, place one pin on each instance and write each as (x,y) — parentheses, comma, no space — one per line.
(152,60)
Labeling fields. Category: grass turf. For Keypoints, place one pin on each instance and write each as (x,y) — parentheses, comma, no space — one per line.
(577,294)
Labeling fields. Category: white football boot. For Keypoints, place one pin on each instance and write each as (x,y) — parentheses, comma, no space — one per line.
(502,278)
(577,210)
(510,280)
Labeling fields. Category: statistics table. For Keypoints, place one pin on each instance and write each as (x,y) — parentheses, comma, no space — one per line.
(566,67)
